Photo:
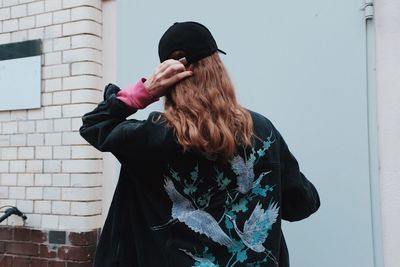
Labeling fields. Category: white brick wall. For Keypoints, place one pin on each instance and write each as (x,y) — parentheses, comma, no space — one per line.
(46,168)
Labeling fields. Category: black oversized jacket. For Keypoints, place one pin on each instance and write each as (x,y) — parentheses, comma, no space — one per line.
(182,209)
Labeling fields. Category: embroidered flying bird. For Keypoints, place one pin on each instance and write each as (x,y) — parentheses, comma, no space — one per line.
(245,174)
(196,219)
(255,230)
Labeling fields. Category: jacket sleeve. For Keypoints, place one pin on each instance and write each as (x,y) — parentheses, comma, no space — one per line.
(106,127)
(300,198)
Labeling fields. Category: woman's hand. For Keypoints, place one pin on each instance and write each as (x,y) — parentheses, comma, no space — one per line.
(165,75)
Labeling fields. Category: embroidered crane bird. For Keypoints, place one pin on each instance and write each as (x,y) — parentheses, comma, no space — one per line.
(255,230)
(196,219)
(245,174)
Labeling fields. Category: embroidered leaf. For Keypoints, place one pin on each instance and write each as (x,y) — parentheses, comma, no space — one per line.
(241,256)
(189,188)
(194,175)
(222,181)
(241,206)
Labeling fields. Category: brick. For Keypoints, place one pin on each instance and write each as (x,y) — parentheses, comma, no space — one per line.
(10,2)
(38,236)
(19,36)
(52,139)
(47,44)
(6,261)
(50,221)
(5,115)
(51,85)
(86,208)
(79,263)
(62,152)
(76,123)
(86,40)
(35,114)
(5,13)
(55,71)
(17,166)
(44,152)
(62,16)
(25,153)
(22,234)
(34,193)
(35,220)
(52,166)
(52,193)
(86,12)
(86,96)
(27,23)
(60,207)
(25,205)
(77,110)
(26,126)
(42,206)
(17,192)
(81,194)
(52,58)
(63,43)
(42,179)
(75,3)
(9,153)
(46,253)
(18,140)
(21,248)
(61,125)
(18,11)
(39,263)
(43,126)
(53,31)
(6,233)
(34,166)
(86,179)
(85,152)
(8,179)
(83,238)
(62,97)
(72,138)
(52,5)
(47,99)
(61,179)
(57,264)
(82,26)
(4,141)
(4,191)
(35,139)
(10,25)
(10,127)
(36,7)
(4,164)
(18,115)
(76,253)
(44,19)
(5,38)
(25,179)
(74,166)
(21,262)
(82,54)
(36,33)
(52,112)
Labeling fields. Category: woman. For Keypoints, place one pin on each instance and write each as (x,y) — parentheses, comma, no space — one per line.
(205,183)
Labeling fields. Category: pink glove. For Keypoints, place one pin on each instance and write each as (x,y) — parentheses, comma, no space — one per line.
(136,96)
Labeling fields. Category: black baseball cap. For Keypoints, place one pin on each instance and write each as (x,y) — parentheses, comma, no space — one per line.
(191,37)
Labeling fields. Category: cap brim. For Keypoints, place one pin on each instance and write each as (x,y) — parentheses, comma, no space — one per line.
(219,50)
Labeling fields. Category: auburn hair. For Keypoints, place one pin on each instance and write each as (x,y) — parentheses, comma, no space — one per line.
(204,113)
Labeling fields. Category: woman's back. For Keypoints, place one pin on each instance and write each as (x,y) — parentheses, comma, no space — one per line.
(181,209)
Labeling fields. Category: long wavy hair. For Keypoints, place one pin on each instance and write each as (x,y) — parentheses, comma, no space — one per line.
(204,113)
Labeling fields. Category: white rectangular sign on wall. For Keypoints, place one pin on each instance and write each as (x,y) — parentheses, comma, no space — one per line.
(20,83)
